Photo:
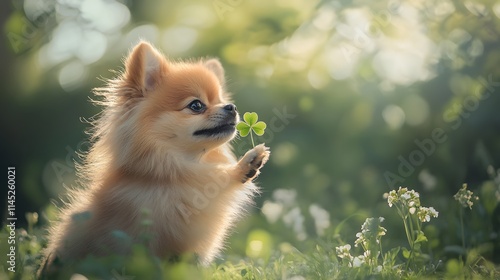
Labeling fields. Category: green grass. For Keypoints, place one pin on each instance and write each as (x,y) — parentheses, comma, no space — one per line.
(371,256)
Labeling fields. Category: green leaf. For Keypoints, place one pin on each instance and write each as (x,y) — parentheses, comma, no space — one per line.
(421,237)
(406,253)
(259,128)
(416,247)
(244,132)
(243,128)
(250,118)
(242,125)
(390,256)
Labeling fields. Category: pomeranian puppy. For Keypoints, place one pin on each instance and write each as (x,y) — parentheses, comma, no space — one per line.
(160,152)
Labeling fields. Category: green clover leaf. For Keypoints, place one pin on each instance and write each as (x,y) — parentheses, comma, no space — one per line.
(251,124)
(259,128)
(243,128)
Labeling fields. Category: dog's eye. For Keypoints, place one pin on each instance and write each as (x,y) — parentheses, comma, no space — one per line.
(196,106)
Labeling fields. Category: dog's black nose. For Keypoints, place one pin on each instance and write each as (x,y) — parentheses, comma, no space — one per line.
(230,108)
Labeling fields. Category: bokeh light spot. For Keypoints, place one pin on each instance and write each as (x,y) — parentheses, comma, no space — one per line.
(92,48)
(105,16)
(284,153)
(148,32)
(394,116)
(306,104)
(72,75)
(178,39)
(416,109)
(259,244)
(317,78)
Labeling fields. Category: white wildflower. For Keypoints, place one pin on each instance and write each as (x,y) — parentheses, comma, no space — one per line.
(358,261)
(406,196)
(321,218)
(343,252)
(425,213)
(465,196)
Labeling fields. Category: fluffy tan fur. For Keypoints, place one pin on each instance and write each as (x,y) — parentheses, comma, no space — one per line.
(146,158)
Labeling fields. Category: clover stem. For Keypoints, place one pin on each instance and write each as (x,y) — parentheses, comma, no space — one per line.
(251,137)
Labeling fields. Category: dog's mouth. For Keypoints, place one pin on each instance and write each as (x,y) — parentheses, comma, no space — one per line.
(217,130)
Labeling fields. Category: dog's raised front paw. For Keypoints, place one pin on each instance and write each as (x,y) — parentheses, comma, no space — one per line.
(252,161)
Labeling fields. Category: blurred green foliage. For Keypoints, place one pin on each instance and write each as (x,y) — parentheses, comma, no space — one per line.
(359,97)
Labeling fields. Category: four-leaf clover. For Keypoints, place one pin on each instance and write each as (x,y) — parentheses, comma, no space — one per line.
(250,123)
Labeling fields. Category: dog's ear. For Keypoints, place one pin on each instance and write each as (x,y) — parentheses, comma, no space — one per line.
(144,67)
(215,66)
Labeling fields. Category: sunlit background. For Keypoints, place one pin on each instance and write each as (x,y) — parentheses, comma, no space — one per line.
(353,92)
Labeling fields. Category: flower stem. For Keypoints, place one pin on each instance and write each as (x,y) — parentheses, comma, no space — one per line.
(408,235)
(462,226)
(403,216)
(381,253)
(462,229)
(412,230)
